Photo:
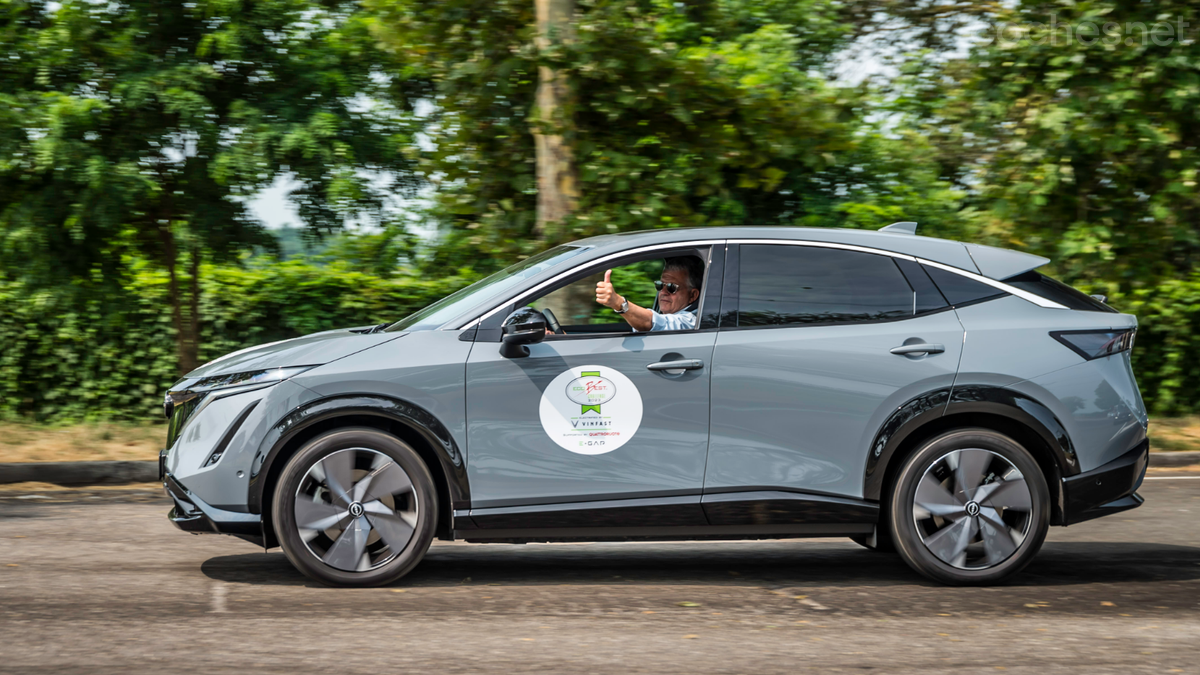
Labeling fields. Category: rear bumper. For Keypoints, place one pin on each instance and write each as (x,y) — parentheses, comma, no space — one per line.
(192,514)
(1111,488)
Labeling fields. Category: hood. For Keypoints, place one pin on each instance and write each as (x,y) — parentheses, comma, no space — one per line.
(310,350)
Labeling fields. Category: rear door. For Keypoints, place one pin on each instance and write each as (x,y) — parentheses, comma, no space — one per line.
(805,368)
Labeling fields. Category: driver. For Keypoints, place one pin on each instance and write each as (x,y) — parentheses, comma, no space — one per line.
(678,295)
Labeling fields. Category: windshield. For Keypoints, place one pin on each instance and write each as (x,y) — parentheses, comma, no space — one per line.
(456,303)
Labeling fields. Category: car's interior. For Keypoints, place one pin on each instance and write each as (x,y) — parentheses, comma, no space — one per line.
(572,308)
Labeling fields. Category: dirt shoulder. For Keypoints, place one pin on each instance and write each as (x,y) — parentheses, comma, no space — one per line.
(1175,433)
(81,442)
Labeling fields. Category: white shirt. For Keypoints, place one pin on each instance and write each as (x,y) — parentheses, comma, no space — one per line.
(684,319)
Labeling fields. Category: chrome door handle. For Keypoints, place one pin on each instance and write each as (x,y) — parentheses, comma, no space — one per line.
(921,348)
(683,364)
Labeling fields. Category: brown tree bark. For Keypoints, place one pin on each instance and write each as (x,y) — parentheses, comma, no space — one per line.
(558,189)
(194,314)
(186,327)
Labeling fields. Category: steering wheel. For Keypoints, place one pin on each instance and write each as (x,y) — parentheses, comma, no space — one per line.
(552,322)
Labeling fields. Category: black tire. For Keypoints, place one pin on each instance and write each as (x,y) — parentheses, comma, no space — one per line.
(362,446)
(1007,526)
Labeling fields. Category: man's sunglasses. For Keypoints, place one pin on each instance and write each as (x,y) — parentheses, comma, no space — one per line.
(671,288)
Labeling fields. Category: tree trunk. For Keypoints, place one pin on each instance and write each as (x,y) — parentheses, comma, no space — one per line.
(573,304)
(185,344)
(194,315)
(558,190)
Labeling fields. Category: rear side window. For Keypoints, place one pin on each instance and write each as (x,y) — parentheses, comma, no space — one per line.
(783,285)
(1053,289)
(960,290)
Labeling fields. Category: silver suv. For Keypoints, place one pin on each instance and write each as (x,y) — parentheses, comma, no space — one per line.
(939,398)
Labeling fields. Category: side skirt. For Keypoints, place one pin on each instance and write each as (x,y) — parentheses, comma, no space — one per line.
(710,532)
(757,514)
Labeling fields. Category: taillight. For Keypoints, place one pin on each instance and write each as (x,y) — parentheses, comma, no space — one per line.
(1096,344)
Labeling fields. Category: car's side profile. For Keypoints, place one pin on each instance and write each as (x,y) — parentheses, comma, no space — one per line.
(939,398)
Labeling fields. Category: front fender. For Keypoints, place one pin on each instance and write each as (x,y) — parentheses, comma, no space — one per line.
(415,418)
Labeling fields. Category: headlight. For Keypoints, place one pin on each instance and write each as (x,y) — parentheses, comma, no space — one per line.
(269,376)
(182,404)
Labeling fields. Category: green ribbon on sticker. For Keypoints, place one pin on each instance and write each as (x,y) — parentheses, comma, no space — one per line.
(584,408)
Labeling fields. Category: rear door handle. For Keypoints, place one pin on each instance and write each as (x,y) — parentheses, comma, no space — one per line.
(682,364)
(921,348)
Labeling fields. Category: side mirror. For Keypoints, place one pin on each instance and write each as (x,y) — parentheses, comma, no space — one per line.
(525,326)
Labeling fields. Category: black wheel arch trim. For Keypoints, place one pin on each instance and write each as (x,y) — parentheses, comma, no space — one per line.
(414,417)
(980,399)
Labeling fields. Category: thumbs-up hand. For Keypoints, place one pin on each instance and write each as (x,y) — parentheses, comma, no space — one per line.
(605,295)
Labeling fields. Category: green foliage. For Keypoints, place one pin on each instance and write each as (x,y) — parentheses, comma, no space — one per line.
(1081,146)
(141,128)
(120,120)
(684,114)
(1168,338)
(66,361)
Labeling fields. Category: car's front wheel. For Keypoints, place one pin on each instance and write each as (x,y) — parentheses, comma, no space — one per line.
(970,507)
(355,507)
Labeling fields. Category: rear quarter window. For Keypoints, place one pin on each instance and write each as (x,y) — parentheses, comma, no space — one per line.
(959,290)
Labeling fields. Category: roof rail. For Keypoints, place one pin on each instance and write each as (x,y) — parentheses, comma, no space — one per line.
(904,227)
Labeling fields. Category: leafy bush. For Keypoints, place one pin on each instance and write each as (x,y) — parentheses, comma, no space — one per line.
(112,358)
(1168,341)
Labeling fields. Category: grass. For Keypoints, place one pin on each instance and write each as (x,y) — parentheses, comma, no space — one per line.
(1175,433)
(128,441)
(99,441)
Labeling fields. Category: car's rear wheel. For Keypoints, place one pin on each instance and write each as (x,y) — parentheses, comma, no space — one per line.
(970,507)
(355,507)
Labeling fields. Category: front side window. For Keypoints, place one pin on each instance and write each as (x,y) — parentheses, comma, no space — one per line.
(663,294)
(782,285)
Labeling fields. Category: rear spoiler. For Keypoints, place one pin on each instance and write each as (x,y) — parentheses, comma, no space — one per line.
(1001,263)
(993,263)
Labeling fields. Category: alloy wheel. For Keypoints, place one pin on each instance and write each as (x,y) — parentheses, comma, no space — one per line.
(972,509)
(356,509)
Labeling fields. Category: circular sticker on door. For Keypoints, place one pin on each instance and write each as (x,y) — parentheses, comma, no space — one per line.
(591,410)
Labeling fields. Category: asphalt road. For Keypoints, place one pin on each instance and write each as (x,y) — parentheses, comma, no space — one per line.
(100,582)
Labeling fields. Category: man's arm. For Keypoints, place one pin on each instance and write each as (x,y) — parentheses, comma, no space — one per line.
(640,318)
(685,320)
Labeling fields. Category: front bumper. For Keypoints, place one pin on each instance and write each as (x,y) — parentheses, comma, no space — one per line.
(1111,488)
(192,514)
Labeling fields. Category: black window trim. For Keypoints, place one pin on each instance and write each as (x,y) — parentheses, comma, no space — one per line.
(912,283)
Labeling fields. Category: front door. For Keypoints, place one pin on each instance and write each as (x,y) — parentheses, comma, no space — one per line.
(590,415)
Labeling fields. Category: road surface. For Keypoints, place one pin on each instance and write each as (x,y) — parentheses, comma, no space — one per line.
(99,582)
